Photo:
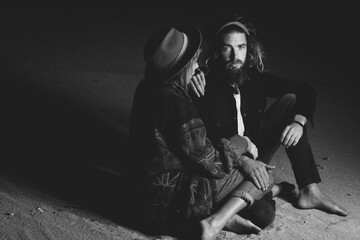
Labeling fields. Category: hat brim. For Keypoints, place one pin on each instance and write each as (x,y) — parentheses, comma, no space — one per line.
(194,43)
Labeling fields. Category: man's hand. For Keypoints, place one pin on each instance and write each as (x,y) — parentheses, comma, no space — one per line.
(197,83)
(258,172)
(291,135)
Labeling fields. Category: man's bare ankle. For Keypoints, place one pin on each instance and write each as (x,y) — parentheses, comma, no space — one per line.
(311,188)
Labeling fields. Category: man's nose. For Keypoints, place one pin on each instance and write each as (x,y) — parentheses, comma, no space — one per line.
(236,54)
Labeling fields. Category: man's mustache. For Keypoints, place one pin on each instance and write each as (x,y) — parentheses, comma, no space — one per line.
(233,62)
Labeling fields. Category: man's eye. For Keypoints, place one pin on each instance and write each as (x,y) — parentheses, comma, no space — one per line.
(225,49)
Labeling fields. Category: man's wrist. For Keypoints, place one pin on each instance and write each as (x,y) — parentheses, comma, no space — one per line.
(300,119)
(301,124)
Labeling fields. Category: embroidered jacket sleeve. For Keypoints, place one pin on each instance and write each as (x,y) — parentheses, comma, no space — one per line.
(201,152)
(212,161)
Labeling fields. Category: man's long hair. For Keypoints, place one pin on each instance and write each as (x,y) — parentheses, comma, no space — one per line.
(255,54)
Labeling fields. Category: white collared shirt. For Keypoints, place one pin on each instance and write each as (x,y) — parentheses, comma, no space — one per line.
(240,122)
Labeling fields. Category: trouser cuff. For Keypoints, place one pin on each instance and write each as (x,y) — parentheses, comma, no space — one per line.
(245,196)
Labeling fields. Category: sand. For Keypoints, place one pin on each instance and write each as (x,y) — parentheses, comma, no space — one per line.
(67,97)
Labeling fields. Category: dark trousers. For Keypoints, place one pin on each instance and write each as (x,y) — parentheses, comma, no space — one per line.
(280,114)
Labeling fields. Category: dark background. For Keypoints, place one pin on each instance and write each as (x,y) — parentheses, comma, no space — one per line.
(69,71)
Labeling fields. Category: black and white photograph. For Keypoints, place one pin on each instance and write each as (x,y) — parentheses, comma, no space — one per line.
(180,121)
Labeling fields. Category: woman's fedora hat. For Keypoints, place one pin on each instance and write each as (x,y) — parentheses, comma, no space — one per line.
(168,51)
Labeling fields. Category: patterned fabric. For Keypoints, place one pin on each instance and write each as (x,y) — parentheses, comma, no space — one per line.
(179,161)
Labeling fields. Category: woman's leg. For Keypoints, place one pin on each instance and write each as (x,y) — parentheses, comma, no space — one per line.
(227,216)
(262,212)
(234,195)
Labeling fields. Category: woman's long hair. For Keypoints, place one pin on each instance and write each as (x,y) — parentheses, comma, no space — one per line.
(183,78)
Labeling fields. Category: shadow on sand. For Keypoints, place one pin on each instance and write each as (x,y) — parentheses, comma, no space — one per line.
(54,147)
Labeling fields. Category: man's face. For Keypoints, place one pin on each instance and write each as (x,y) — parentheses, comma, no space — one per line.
(233,50)
(232,53)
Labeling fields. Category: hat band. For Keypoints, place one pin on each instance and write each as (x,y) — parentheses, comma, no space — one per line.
(236,23)
(182,51)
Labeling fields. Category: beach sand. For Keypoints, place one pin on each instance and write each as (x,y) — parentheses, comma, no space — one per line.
(67,98)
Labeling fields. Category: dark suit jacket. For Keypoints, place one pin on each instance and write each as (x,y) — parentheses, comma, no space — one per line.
(218,110)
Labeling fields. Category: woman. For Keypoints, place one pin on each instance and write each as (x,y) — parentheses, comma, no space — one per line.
(184,178)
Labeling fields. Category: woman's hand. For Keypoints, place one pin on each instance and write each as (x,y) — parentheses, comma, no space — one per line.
(258,172)
(197,83)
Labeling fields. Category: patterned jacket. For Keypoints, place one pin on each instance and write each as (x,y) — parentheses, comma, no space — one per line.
(179,162)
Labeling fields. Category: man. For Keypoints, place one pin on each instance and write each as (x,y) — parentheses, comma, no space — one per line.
(235,103)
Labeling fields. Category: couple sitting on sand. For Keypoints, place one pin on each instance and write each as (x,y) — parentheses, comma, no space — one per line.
(202,148)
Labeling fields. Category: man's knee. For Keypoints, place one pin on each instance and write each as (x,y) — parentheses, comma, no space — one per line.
(262,212)
(288,99)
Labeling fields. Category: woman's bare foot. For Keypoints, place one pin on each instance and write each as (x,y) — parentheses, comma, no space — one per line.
(163,237)
(241,225)
(311,197)
(284,190)
(209,232)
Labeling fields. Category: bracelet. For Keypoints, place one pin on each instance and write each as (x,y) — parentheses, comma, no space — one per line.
(302,125)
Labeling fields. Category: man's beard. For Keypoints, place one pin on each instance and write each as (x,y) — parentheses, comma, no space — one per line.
(234,72)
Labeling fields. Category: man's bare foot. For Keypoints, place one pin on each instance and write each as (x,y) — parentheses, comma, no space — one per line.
(241,225)
(284,190)
(311,197)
